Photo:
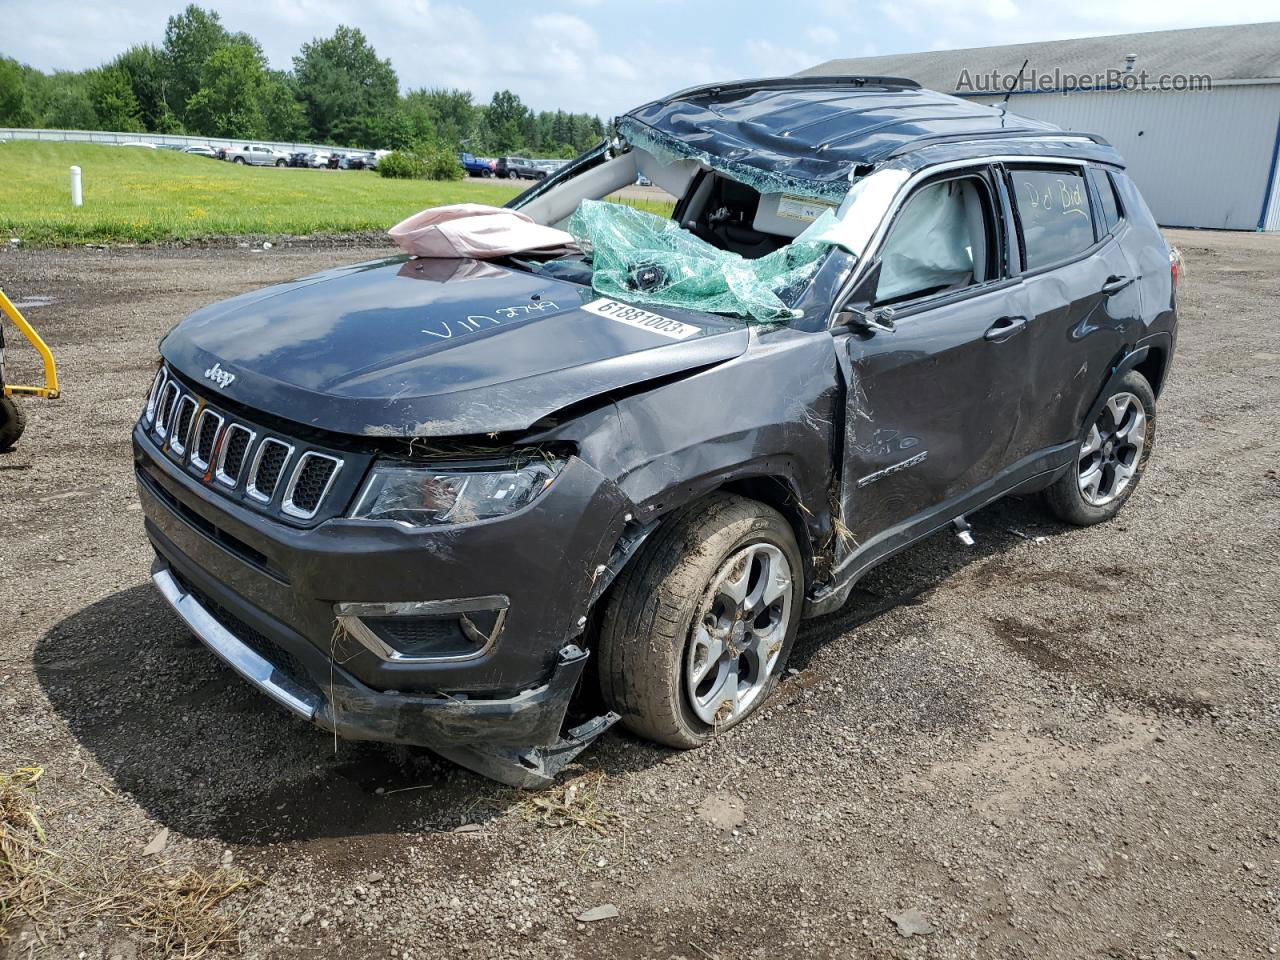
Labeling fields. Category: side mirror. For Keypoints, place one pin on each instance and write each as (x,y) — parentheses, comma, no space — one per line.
(858,312)
(872,318)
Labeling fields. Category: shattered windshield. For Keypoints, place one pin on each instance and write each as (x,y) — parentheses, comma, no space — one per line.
(640,256)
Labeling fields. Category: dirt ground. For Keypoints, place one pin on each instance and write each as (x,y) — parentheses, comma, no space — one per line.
(1056,743)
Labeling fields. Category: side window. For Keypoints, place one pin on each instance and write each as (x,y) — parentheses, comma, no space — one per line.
(1053,212)
(1107,198)
(942,239)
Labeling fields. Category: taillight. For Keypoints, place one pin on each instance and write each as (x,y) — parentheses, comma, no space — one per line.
(1175,267)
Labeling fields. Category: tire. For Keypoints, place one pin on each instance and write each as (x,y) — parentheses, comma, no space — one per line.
(239,160)
(13,421)
(1110,462)
(486,174)
(512,175)
(280,163)
(669,607)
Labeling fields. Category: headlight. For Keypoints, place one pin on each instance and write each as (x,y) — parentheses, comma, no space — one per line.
(419,496)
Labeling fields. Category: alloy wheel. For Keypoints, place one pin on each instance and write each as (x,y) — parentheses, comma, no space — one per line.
(1111,452)
(739,634)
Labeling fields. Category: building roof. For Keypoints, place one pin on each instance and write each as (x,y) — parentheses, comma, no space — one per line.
(1239,52)
(813,131)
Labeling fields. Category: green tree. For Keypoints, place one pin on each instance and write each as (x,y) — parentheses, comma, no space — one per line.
(113,101)
(505,119)
(148,73)
(15,110)
(347,91)
(190,39)
(282,113)
(229,101)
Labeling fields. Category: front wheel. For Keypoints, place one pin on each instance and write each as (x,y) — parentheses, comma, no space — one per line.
(1112,455)
(13,421)
(239,160)
(699,626)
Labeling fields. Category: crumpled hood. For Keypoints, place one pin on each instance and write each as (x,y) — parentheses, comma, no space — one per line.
(405,347)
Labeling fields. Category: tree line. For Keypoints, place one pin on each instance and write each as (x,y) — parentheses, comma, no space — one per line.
(209,81)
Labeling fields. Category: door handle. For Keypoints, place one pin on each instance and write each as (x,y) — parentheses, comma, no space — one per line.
(1115,284)
(1004,328)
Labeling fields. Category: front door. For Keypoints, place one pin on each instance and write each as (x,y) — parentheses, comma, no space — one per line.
(934,403)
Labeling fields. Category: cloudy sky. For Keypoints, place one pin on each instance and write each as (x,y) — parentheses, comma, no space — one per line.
(603,56)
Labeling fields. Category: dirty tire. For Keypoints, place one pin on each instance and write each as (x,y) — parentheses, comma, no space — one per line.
(1065,499)
(13,420)
(648,624)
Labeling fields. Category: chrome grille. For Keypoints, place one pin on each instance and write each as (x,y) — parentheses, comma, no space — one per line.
(153,395)
(168,396)
(309,484)
(183,414)
(244,462)
(268,465)
(235,445)
(207,429)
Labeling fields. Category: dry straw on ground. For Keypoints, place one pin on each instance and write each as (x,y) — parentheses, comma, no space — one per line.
(49,890)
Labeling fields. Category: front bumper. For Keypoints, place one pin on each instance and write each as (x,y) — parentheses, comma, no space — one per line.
(516,740)
(261,595)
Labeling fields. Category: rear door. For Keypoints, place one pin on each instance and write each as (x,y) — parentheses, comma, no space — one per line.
(1082,295)
(933,403)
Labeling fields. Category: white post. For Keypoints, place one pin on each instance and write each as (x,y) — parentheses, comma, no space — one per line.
(77,198)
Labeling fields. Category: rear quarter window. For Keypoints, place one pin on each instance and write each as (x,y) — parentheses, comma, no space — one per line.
(1107,199)
(1053,214)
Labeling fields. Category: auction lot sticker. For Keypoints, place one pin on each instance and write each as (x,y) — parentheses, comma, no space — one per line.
(635,317)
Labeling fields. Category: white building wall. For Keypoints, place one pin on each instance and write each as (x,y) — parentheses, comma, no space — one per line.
(1201,159)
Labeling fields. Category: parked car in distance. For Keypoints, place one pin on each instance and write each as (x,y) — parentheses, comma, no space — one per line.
(643,181)
(374,157)
(300,158)
(518,168)
(258,155)
(487,473)
(201,151)
(475,166)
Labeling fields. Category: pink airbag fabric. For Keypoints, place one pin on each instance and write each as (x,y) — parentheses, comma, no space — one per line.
(476,230)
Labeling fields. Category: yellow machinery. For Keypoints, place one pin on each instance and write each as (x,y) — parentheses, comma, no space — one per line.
(12,419)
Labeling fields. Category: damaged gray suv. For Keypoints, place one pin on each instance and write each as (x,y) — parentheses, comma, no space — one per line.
(413,500)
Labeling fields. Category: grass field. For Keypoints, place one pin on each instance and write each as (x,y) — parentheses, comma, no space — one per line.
(137,195)
(134,195)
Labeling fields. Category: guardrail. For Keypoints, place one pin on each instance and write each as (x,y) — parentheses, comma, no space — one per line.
(185,140)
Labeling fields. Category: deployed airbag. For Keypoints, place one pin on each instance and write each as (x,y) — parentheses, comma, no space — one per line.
(476,230)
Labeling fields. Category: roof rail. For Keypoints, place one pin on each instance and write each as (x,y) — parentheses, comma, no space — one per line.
(775,83)
(1020,133)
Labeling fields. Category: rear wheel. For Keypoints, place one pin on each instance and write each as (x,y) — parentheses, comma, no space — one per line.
(279,163)
(699,626)
(1112,455)
(13,420)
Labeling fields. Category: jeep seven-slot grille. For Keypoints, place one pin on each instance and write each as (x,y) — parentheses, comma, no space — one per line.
(206,437)
(182,417)
(234,447)
(244,462)
(273,454)
(309,484)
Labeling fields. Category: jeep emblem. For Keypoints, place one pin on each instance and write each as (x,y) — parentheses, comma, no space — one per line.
(221,378)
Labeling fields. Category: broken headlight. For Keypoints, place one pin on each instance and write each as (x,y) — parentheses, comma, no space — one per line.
(422,496)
